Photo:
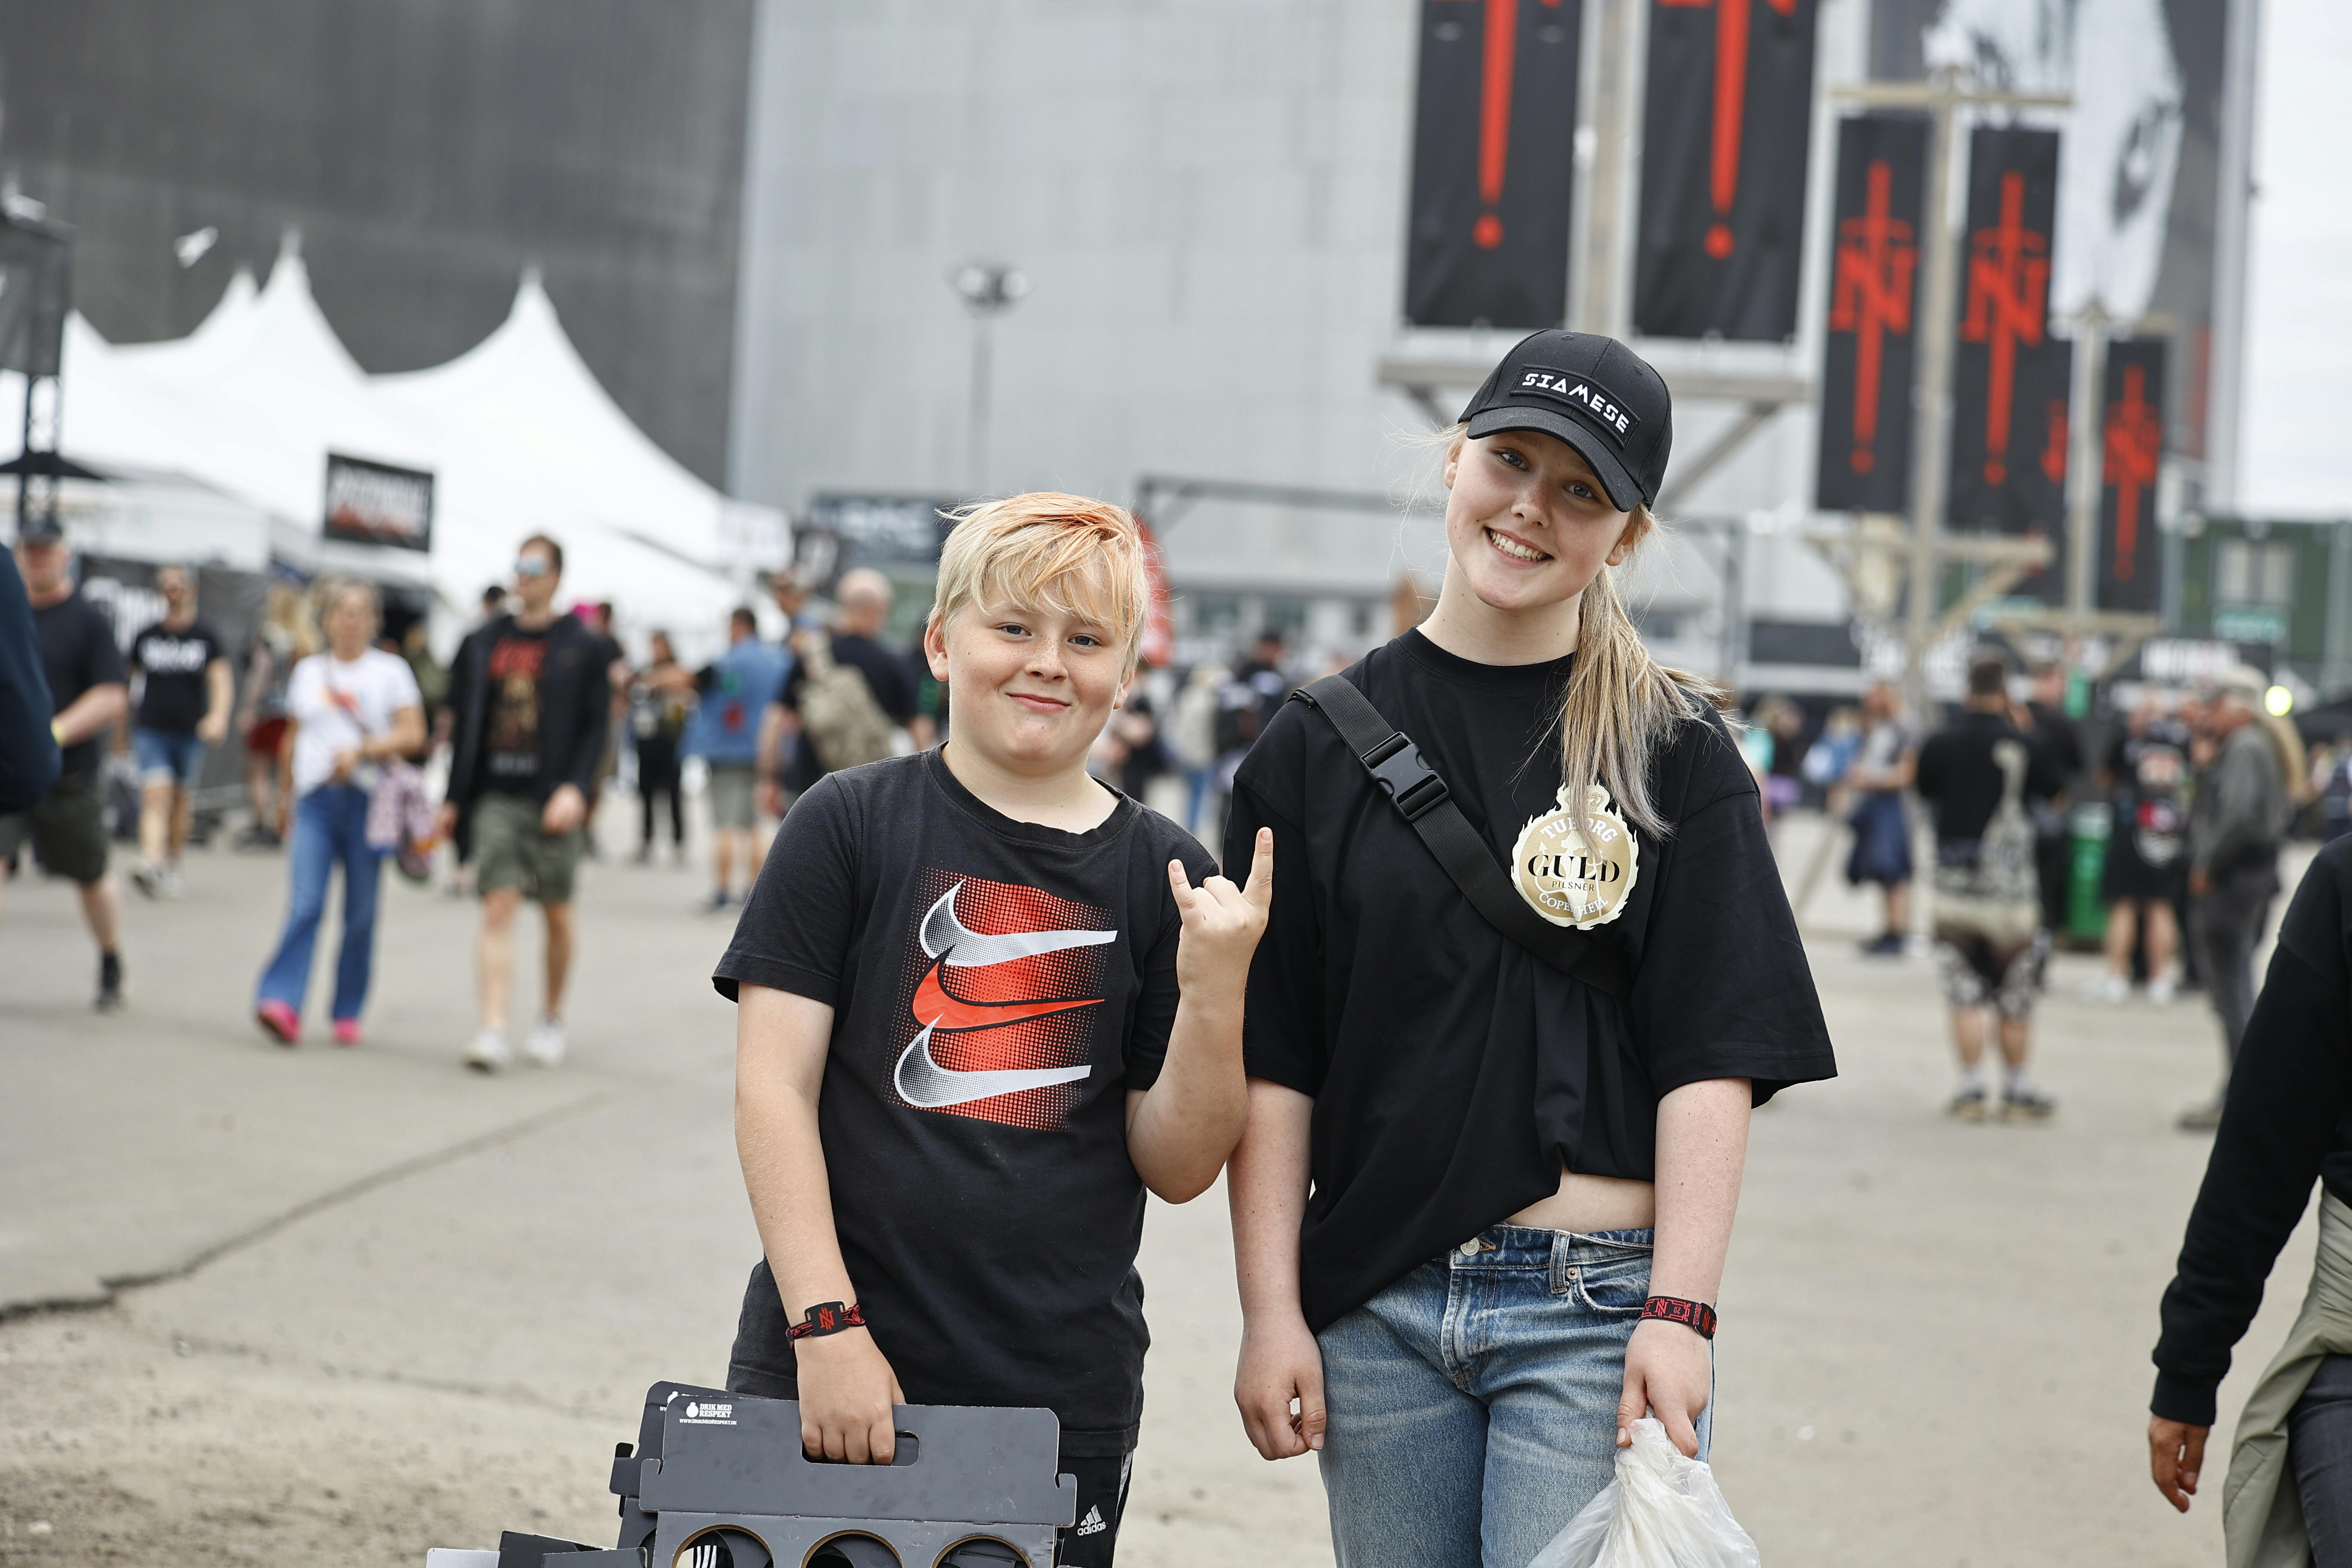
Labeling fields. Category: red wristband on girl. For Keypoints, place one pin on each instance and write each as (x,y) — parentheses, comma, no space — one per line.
(1696,1316)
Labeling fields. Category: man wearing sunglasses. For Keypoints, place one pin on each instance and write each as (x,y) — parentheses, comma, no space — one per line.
(528,704)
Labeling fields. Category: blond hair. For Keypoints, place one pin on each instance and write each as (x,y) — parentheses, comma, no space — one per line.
(1046,551)
(1622,704)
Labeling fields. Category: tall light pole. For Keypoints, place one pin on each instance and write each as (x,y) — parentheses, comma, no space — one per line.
(988,289)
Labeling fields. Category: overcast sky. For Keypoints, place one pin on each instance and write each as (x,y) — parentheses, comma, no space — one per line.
(2298,413)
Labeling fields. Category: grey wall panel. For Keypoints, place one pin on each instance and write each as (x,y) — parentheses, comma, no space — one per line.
(427,150)
(1208,197)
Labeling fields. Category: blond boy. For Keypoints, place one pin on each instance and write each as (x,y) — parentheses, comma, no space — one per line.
(982,1008)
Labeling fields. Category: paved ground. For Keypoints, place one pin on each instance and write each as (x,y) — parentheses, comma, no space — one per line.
(335,1306)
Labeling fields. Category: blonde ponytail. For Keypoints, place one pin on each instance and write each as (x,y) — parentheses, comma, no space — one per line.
(1622,704)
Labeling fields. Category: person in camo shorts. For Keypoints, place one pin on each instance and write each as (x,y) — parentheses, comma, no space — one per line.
(529,702)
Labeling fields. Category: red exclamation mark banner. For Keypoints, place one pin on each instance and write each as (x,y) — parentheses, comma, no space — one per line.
(1758,55)
(1494,163)
(1495,117)
(1730,101)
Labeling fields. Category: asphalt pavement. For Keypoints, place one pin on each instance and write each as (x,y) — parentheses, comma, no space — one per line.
(337,1306)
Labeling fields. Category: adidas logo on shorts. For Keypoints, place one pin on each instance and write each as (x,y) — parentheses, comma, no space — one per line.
(1093,1523)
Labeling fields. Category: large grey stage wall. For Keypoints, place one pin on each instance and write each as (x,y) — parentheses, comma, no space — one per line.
(427,150)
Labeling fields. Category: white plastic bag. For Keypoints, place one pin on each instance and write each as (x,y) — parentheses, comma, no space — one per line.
(1662,1512)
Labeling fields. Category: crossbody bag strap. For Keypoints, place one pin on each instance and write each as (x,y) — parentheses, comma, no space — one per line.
(1420,795)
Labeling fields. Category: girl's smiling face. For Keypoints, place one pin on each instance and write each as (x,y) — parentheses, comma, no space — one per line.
(1527,521)
(1029,690)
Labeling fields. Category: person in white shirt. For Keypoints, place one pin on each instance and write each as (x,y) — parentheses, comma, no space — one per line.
(348,710)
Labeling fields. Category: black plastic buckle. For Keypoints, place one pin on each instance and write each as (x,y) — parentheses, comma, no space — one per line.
(1396,766)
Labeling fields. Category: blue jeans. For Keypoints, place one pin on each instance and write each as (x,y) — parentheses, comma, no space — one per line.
(165,755)
(1473,1403)
(2319,1446)
(329,827)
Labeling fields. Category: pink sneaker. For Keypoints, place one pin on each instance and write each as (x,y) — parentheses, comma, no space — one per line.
(280,1022)
(347,1031)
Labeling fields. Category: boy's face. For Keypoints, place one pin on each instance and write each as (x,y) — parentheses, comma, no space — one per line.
(1029,690)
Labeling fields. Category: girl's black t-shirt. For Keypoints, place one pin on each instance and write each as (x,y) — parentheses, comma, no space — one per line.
(998,988)
(1455,1074)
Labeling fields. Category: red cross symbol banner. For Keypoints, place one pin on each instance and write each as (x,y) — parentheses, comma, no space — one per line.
(1726,133)
(1494,163)
(1867,350)
(2011,377)
(2131,457)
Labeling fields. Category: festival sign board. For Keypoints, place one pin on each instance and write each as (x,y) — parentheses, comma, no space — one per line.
(1869,348)
(2131,450)
(375,503)
(2141,197)
(2012,376)
(1725,134)
(1494,163)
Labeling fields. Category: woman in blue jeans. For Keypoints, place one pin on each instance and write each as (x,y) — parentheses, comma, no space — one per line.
(348,710)
(1483,1203)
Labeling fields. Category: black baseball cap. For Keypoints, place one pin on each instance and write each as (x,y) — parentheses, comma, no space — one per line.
(41,528)
(1593,393)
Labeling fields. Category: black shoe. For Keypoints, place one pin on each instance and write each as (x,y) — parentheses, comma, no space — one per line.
(109,981)
(2201,1118)
(2027,1105)
(1887,946)
(1968,1105)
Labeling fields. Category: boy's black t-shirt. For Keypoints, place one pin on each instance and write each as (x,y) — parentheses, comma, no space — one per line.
(174,663)
(991,1235)
(1455,1074)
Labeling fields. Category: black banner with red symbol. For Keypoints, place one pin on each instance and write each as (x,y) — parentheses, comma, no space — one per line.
(2131,455)
(1725,136)
(2012,379)
(1494,163)
(1867,353)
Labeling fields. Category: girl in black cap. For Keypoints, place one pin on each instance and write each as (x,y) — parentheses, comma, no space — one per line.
(1524,1135)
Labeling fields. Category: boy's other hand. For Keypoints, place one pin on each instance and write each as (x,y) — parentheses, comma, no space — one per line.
(846,1391)
(1280,1364)
(1221,921)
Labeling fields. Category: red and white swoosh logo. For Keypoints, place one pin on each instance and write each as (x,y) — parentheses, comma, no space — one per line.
(922,1081)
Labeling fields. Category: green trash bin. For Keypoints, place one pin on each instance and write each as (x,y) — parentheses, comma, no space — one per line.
(2087,826)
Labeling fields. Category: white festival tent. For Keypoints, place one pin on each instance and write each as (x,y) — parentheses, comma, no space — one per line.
(519,435)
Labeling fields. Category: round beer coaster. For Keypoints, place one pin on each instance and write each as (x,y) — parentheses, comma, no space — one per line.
(1569,878)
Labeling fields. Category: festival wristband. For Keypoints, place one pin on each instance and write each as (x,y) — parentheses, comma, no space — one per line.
(826,1318)
(57,733)
(1696,1316)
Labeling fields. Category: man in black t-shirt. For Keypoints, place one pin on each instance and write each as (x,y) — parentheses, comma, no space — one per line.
(1981,775)
(975,1026)
(182,713)
(530,702)
(88,692)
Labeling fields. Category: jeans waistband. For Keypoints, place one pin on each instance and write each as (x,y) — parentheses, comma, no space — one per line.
(1523,1246)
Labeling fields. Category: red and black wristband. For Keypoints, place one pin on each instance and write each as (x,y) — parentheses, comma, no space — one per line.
(1696,1316)
(826,1318)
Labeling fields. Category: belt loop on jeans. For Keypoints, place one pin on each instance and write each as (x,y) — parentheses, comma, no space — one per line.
(1561,1243)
